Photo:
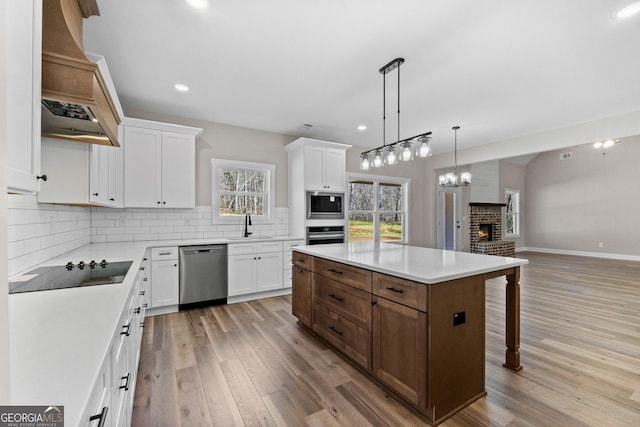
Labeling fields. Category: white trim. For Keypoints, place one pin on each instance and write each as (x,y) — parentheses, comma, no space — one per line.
(269,218)
(580,253)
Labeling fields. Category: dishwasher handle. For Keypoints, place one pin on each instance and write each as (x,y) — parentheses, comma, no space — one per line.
(214,249)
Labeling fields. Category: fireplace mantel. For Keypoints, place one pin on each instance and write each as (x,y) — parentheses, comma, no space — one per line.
(487,204)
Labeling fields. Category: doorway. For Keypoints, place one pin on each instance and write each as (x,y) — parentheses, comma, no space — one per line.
(449,213)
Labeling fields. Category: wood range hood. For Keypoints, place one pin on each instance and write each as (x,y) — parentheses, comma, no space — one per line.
(79,102)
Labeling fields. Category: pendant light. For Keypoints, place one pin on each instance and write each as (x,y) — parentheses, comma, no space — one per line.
(401,150)
(452,179)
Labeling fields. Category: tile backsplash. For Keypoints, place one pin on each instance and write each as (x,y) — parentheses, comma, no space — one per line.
(39,232)
(127,225)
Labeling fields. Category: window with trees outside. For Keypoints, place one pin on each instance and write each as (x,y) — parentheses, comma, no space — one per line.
(377,209)
(239,188)
(512,213)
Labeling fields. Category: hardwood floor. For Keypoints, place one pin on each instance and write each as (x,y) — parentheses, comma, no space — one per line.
(250,364)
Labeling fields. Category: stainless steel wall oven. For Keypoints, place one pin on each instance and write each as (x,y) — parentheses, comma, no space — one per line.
(325,234)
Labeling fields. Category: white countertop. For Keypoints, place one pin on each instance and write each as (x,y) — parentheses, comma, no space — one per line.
(59,338)
(423,265)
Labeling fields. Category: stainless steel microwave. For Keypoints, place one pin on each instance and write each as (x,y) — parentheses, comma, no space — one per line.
(322,205)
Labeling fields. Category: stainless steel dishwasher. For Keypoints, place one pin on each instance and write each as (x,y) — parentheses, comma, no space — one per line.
(203,275)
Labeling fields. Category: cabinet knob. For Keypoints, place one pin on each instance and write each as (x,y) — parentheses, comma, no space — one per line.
(175,265)
(164,203)
(158,201)
(42,177)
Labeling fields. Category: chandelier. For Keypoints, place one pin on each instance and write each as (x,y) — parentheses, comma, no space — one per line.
(403,150)
(452,179)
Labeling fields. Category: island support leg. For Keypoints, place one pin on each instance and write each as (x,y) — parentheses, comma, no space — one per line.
(512,357)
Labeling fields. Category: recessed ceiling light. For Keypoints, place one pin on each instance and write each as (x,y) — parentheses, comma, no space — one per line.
(198,4)
(181,87)
(362,128)
(629,10)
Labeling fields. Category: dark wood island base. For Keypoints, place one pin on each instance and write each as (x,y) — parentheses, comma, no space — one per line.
(425,343)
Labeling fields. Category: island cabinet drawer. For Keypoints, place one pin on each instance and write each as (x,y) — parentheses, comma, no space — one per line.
(302,260)
(353,341)
(354,276)
(405,292)
(349,302)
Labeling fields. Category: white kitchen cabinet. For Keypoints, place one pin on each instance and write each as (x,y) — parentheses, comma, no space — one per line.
(159,164)
(81,174)
(164,277)
(287,260)
(317,166)
(324,168)
(254,267)
(99,403)
(23,38)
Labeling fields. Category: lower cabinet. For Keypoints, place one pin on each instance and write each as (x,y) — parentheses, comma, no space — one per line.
(254,267)
(164,277)
(400,349)
(111,400)
(301,295)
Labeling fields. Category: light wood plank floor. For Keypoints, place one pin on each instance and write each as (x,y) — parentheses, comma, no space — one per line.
(250,364)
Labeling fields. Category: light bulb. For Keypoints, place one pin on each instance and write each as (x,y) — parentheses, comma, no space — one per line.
(442,180)
(364,165)
(450,178)
(597,145)
(465,177)
(406,152)
(391,156)
(609,143)
(423,151)
(377,160)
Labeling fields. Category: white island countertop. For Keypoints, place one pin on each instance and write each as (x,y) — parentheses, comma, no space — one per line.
(423,265)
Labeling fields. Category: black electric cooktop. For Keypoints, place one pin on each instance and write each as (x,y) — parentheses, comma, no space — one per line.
(70,276)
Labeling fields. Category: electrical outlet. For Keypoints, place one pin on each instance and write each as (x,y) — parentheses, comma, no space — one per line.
(601,245)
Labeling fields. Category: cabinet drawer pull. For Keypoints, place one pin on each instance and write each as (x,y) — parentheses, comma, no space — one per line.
(142,293)
(126,383)
(392,289)
(299,270)
(164,253)
(335,271)
(42,177)
(145,305)
(335,330)
(102,416)
(127,329)
(142,324)
(300,260)
(335,297)
(145,279)
(137,310)
(141,268)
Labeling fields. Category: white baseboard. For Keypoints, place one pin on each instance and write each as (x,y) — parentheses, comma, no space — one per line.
(580,253)
(259,295)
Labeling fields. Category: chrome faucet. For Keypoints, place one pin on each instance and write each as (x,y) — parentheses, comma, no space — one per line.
(247,223)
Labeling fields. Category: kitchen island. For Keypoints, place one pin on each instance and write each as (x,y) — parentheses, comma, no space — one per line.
(412,318)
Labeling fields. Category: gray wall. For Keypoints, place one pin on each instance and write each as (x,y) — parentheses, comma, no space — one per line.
(575,204)
(512,176)
(232,143)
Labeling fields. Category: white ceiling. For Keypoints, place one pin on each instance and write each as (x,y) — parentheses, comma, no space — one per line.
(499,69)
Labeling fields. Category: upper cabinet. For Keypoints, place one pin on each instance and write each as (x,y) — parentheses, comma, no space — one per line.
(23,40)
(159,166)
(324,168)
(82,174)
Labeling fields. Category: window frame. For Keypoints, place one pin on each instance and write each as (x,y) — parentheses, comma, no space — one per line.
(270,191)
(405,183)
(515,214)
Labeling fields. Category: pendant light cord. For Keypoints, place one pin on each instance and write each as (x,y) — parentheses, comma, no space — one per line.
(398,103)
(384,109)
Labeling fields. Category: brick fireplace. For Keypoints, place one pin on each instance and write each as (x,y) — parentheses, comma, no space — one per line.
(485,228)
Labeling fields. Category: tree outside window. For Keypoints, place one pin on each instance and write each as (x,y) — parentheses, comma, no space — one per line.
(377,209)
(241,187)
(512,213)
